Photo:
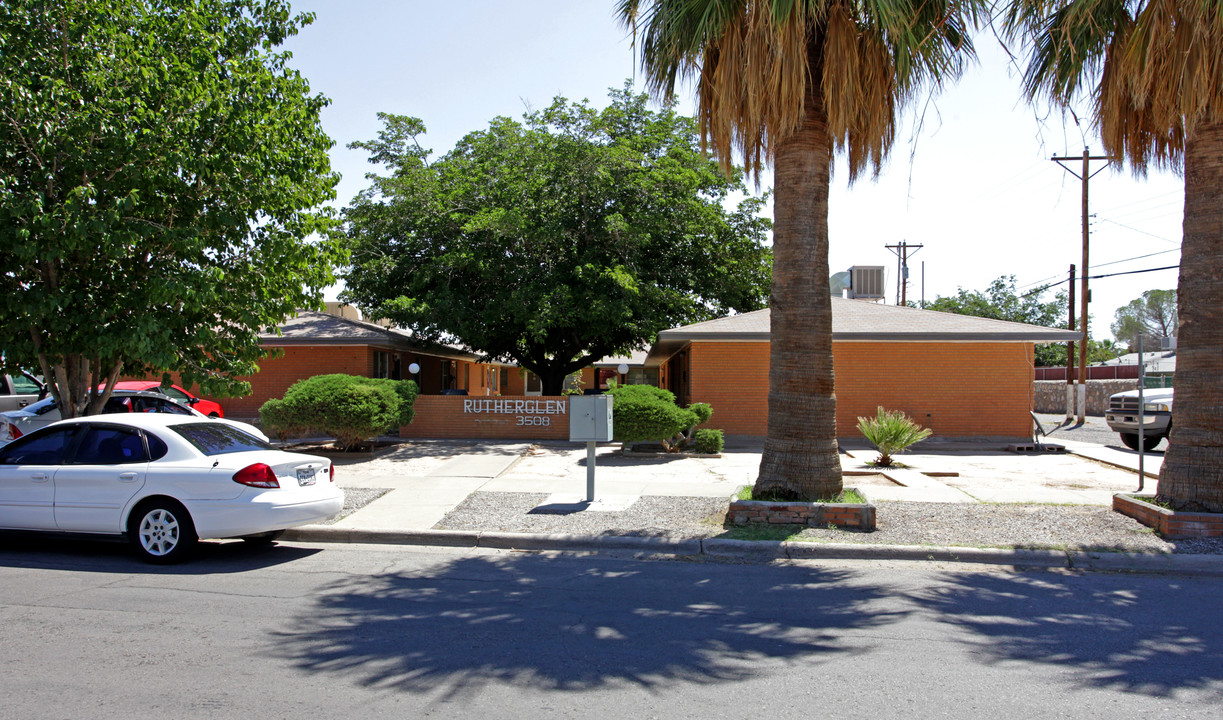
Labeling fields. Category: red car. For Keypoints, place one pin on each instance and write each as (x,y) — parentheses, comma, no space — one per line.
(206,407)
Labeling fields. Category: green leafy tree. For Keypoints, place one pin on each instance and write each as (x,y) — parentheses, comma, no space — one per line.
(570,236)
(789,82)
(161,170)
(1001,301)
(1152,73)
(1151,317)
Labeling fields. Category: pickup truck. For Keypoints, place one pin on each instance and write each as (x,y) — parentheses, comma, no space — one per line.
(1122,416)
(17,391)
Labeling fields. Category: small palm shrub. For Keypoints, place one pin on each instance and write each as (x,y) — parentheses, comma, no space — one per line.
(891,432)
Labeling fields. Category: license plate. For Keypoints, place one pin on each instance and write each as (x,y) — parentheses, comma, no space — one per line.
(305,476)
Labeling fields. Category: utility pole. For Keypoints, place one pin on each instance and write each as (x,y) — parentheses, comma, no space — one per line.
(902,277)
(1085,176)
(1070,353)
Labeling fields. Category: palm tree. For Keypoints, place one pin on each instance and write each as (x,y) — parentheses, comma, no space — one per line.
(1154,71)
(789,82)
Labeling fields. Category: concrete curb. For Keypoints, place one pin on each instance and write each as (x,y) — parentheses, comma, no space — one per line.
(1198,565)
(768,551)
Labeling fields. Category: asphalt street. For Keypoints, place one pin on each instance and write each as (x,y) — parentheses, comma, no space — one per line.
(369,631)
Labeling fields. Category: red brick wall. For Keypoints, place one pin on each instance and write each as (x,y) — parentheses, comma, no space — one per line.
(277,374)
(444,416)
(955,389)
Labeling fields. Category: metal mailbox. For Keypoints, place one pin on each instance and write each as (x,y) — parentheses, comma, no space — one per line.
(590,418)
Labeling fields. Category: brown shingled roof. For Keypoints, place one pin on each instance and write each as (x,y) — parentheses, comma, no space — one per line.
(310,327)
(864,321)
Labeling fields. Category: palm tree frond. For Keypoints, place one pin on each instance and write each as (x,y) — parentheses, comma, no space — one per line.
(753,62)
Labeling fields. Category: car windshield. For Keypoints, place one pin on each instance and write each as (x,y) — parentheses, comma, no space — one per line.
(40,407)
(214,438)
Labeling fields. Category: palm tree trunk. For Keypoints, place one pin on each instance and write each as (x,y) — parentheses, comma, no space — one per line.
(1192,475)
(800,450)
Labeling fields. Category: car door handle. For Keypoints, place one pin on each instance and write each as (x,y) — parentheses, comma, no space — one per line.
(39,477)
(127,477)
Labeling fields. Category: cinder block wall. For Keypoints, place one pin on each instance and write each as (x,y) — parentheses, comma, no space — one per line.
(1050,395)
(955,389)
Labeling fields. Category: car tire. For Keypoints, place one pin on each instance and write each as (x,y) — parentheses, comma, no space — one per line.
(266,538)
(1149,442)
(214,414)
(161,531)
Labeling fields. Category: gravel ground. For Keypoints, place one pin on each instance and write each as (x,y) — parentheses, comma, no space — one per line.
(900,523)
(1094,430)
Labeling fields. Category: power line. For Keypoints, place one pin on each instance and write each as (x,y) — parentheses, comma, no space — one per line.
(1144,232)
(1099,277)
(1135,272)
(1140,257)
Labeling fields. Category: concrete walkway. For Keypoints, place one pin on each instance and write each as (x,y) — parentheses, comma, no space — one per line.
(420,496)
(418,502)
(427,479)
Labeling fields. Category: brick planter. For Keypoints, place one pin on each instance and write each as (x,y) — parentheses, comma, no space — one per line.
(852,516)
(1172,524)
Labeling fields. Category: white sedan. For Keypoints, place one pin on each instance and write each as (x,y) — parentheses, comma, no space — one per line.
(162,480)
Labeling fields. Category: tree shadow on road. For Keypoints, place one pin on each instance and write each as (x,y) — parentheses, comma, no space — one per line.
(548,624)
(1145,635)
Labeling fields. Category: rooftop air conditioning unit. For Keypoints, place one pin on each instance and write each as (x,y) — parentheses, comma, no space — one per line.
(1167,343)
(866,281)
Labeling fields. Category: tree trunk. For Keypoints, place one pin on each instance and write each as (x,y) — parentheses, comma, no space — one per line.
(1192,474)
(552,380)
(800,451)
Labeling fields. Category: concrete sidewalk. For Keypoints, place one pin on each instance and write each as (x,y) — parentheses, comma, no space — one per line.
(428,480)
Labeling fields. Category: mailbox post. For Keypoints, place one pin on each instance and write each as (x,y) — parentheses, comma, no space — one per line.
(590,421)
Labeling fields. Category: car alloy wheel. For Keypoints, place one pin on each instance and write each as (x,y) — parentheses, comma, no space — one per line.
(162,532)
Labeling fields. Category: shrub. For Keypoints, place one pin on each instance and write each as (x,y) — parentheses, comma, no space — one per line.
(279,422)
(642,413)
(891,432)
(709,441)
(407,392)
(646,413)
(348,408)
(703,411)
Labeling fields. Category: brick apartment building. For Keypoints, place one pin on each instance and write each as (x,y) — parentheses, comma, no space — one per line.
(955,374)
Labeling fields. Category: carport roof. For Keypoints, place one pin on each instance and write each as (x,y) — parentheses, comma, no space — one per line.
(864,321)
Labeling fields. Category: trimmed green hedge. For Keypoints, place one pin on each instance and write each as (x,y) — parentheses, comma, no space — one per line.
(644,413)
(349,408)
(709,441)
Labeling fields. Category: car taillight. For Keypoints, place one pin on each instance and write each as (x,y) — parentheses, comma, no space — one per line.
(13,431)
(331,473)
(257,475)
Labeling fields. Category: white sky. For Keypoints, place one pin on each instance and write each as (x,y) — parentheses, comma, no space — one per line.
(976,187)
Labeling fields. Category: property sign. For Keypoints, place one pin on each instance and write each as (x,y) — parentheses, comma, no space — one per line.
(527,411)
